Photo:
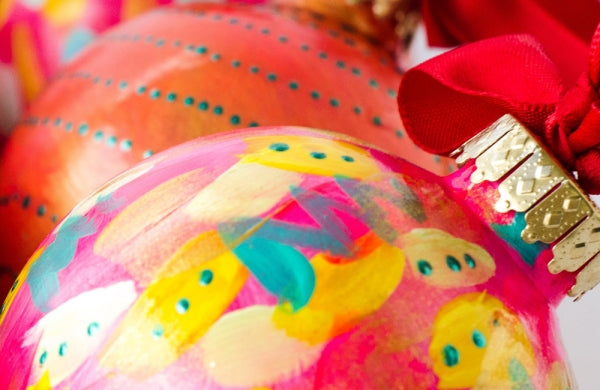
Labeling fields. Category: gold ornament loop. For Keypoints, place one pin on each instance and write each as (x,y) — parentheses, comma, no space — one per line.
(530,180)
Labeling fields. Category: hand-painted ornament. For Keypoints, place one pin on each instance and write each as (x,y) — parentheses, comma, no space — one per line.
(284,258)
(181,72)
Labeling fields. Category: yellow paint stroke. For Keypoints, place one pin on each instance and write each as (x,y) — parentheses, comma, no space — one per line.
(176,310)
(432,252)
(64,12)
(344,292)
(485,335)
(25,61)
(42,384)
(245,350)
(317,156)
(245,190)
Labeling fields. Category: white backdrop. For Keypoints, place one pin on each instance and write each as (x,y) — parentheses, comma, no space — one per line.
(580,326)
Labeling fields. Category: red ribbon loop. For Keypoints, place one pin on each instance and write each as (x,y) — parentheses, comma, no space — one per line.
(447,100)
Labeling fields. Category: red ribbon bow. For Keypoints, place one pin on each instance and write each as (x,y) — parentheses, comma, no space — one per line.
(449,99)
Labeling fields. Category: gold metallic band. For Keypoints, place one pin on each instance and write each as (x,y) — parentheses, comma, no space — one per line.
(532,181)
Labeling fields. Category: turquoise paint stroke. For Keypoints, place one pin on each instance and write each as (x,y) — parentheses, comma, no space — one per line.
(512,235)
(518,376)
(280,269)
(43,274)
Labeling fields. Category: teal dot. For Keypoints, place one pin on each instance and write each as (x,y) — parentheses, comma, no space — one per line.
(293,85)
(233,21)
(340,64)
(356,71)
(248,26)
(279,147)
(391,93)
(437,159)
(177,43)
(171,97)
(41,210)
(234,120)
(357,110)
(154,94)
(3,307)
(322,55)
(215,57)
(158,331)
(253,124)
(304,47)
(470,261)
(141,89)
(126,145)
(399,133)
(93,328)
(271,77)
(254,69)
(318,155)
(160,42)
(203,105)
(83,129)
(348,158)
(377,121)
(206,276)
(123,84)
(182,306)
(478,339)
(147,153)
(373,83)
(451,355)
(236,63)
(218,110)
(188,101)
(334,102)
(54,218)
(57,122)
(62,349)
(98,136)
(111,141)
(43,357)
(283,39)
(315,95)
(14,285)
(108,82)
(265,31)
(452,263)
(96,80)
(424,267)
(189,47)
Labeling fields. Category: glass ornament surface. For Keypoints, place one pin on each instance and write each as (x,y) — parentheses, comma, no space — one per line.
(283,258)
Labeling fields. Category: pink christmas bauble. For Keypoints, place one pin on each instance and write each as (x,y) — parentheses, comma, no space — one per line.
(280,258)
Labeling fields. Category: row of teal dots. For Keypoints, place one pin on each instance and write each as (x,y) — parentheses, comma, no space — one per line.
(265,31)
(348,40)
(235,63)
(25,204)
